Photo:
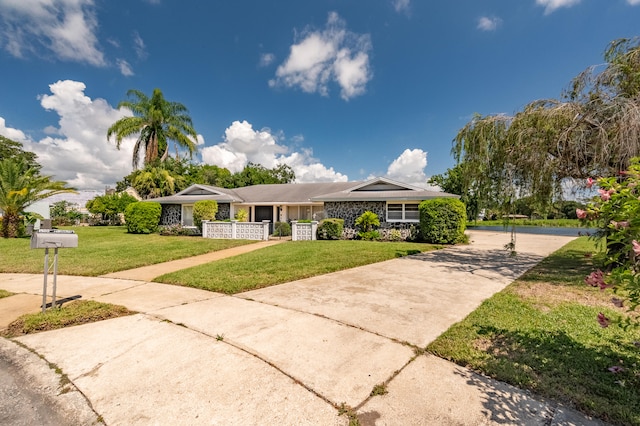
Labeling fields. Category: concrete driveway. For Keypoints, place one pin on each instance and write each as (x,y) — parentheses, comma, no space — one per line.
(297,353)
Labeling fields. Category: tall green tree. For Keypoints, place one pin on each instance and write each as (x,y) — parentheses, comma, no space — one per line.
(110,206)
(156,121)
(20,186)
(12,149)
(592,130)
(452,181)
(257,174)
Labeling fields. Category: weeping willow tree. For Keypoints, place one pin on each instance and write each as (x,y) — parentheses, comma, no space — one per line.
(592,130)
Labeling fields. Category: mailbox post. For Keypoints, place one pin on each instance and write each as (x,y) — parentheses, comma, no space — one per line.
(52,238)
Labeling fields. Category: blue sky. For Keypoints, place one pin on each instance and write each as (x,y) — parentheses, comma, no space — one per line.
(337,89)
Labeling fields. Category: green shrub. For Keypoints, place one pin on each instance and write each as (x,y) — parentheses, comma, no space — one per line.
(142,217)
(367,223)
(395,235)
(204,210)
(330,229)
(242,215)
(369,235)
(282,229)
(443,220)
(176,230)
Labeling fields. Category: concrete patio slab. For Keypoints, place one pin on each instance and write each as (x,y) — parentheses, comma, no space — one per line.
(148,297)
(341,363)
(66,285)
(19,304)
(416,298)
(432,391)
(136,370)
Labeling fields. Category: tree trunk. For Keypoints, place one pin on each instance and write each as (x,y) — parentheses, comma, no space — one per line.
(10,225)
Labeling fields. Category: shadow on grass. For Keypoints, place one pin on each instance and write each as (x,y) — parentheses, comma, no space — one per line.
(486,263)
(569,267)
(556,366)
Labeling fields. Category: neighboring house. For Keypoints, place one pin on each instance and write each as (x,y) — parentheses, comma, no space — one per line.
(395,203)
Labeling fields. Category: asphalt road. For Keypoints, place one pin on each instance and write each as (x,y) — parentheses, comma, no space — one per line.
(22,404)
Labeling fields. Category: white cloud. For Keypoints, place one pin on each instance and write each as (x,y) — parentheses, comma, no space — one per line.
(409,168)
(11,133)
(242,144)
(139,46)
(331,55)
(401,6)
(125,68)
(486,23)
(551,5)
(63,28)
(267,59)
(633,2)
(79,153)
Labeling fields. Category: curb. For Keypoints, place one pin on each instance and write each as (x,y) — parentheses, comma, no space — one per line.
(57,394)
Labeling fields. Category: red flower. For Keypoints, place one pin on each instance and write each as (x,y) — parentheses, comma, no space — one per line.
(636,247)
(604,195)
(590,182)
(581,214)
(603,321)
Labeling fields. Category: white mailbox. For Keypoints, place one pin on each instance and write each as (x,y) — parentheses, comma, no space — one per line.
(53,238)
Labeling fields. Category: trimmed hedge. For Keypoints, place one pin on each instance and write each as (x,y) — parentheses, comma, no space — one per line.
(330,229)
(142,218)
(204,210)
(443,220)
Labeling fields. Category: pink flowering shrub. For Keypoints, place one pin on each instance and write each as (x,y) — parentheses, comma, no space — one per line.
(615,211)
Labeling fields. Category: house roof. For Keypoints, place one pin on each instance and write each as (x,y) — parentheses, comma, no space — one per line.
(378,189)
(289,193)
(199,192)
(382,189)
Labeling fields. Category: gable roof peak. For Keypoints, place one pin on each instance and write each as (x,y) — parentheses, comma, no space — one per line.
(387,183)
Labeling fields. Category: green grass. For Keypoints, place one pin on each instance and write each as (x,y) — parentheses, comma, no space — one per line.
(5,293)
(287,262)
(541,334)
(103,249)
(545,223)
(73,313)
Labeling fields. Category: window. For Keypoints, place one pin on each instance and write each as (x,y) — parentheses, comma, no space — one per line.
(187,215)
(405,212)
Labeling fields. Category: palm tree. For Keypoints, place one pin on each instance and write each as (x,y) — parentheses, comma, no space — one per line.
(157,121)
(153,182)
(20,186)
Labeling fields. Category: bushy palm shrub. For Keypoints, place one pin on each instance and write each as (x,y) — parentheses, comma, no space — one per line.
(367,224)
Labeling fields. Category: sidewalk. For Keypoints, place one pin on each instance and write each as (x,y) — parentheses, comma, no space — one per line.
(294,353)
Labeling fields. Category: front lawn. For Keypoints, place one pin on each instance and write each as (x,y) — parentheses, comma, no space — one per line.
(541,334)
(105,249)
(288,262)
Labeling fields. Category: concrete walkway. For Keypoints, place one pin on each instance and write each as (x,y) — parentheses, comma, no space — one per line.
(295,353)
